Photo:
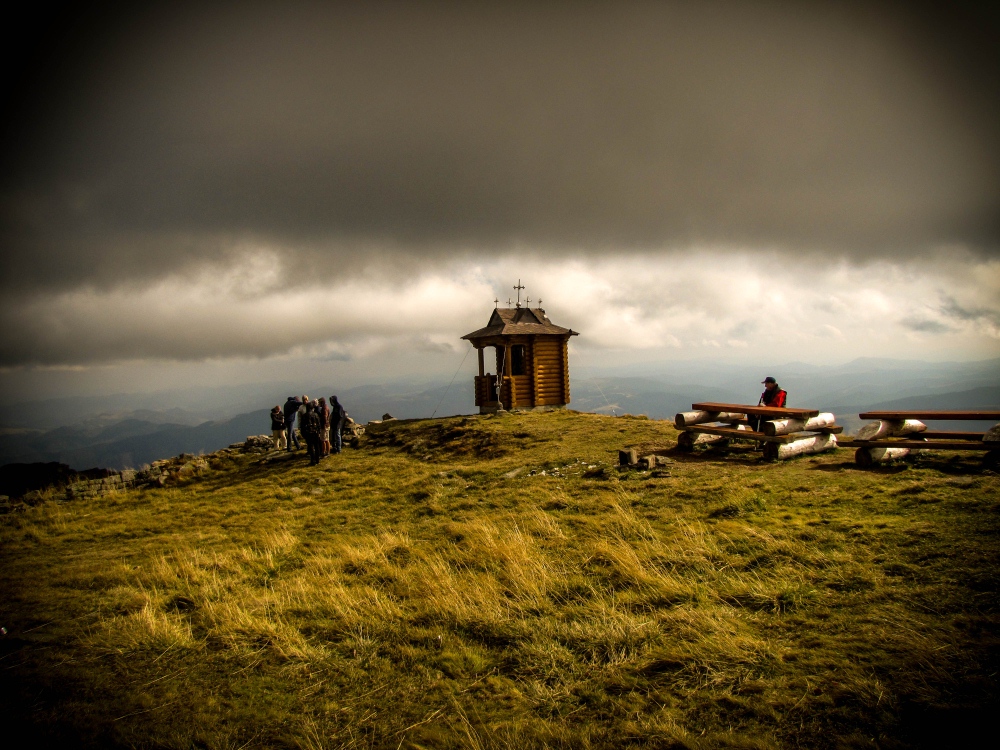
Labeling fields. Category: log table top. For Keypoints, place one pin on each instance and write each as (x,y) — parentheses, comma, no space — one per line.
(758,411)
(982,415)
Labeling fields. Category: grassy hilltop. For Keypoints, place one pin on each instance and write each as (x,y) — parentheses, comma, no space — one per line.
(495,582)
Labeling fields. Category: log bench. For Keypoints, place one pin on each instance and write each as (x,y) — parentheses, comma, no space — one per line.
(896,434)
(786,433)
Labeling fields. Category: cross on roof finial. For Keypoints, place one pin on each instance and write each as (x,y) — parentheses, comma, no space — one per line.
(496,302)
(509,303)
(519,288)
(527,301)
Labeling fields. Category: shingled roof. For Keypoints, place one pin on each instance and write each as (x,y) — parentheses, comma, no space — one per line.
(519,321)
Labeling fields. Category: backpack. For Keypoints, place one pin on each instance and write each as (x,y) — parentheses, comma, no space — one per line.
(310,425)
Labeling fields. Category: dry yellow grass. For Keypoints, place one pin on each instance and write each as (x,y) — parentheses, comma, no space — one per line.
(423,592)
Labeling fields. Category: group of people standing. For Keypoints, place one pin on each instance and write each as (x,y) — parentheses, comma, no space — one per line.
(320,425)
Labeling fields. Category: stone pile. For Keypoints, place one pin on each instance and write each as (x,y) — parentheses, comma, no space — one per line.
(352,429)
(96,487)
(180,467)
(158,474)
(256,444)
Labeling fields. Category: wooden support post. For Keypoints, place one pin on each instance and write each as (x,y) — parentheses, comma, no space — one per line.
(564,350)
(871,456)
(507,372)
(482,366)
(686,441)
(803,447)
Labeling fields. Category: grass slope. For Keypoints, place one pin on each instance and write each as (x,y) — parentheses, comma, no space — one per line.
(430,591)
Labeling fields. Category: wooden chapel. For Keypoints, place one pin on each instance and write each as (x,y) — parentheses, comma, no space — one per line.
(531,360)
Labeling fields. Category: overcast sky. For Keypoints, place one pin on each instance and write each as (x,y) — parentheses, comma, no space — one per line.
(320,188)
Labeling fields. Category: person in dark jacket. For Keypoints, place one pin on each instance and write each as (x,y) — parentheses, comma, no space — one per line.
(291,411)
(337,418)
(278,428)
(310,427)
(773,395)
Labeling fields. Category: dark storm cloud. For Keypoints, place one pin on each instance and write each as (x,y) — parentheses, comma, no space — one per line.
(174,136)
(951,308)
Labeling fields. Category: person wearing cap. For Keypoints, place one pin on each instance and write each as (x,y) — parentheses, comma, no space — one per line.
(773,395)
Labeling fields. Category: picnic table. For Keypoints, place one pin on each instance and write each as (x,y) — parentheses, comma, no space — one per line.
(785,433)
(896,434)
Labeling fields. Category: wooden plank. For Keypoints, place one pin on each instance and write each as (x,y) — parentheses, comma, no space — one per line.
(953,435)
(938,445)
(758,411)
(984,415)
(732,432)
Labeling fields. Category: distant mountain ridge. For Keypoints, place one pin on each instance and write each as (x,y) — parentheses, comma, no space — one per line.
(986,397)
(137,432)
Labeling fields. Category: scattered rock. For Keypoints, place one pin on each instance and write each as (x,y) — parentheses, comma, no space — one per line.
(351,430)
(628,457)
(651,462)
(190,468)
(258,444)
(513,472)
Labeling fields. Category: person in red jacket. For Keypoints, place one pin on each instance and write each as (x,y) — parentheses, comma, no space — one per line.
(773,395)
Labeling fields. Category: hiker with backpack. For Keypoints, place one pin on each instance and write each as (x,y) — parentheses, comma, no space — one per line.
(310,428)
